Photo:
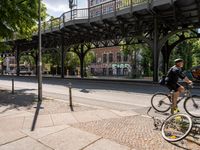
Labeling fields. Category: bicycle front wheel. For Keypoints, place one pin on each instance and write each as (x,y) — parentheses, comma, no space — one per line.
(192,106)
(161,102)
(176,127)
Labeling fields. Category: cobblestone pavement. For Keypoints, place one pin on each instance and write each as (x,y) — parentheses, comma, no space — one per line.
(136,132)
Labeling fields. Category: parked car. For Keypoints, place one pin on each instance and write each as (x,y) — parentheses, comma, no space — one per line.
(25,71)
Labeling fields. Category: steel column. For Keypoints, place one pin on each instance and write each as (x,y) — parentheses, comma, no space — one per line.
(155,50)
(62,58)
(82,61)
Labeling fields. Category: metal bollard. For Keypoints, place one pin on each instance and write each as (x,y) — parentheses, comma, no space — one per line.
(70,95)
(13,86)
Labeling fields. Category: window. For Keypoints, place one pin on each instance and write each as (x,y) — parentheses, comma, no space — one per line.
(94,60)
(125,71)
(110,9)
(118,57)
(118,71)
(110,57)
(104,58)
(98,13)
(104,71)
(91,2)
(92,71)
(125,57)
(104,11)
(110,71)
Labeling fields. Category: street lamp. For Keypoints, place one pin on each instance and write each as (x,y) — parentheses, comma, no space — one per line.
(39,54)
(72,4)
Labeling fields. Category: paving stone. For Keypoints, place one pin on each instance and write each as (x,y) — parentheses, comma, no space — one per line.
(24,144)
(69,139)
(124,113)
(9,136)
(136,132)
(55,106)
(8,124)
(9,112)
(20,114)
(41,121)
(42,132)
(63,118)
(86,116)
(105,114)
(105,144)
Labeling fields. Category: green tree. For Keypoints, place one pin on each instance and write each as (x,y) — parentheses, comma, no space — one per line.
(189,51)
(147,60)
(18,19)
(72,62)
(196,52)
(134,51)
(27,59)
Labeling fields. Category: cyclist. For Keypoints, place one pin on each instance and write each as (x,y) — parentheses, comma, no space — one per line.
(172,77)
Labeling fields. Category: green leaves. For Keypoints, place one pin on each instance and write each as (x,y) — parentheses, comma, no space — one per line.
(18,17)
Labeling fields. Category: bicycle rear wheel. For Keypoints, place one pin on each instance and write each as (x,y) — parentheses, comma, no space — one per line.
(192,106)
(176,127)
(161,102)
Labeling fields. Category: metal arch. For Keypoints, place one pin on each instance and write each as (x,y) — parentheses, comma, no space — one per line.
(170,47)
(182,38)
(165,39)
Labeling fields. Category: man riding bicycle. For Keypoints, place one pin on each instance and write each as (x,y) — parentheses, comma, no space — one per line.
(172,77)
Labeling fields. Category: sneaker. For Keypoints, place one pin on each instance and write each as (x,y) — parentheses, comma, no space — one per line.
(178,119)
(176,110)
(173,137)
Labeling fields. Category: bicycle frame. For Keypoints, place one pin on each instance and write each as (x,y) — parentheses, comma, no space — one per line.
(187,94)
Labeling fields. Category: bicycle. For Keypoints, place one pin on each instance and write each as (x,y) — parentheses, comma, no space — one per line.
(162,102)
(177,126)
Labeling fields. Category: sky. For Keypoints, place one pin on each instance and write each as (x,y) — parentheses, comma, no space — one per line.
(57,7)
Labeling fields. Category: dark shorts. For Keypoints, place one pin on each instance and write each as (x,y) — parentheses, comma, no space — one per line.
(173,86)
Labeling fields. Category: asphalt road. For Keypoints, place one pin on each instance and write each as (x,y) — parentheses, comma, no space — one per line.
(110,94)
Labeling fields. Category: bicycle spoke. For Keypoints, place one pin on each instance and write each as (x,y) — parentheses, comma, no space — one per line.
(176,127)
(192,106)
(160,102)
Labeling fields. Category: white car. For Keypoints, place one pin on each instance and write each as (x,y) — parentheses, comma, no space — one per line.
(25,71)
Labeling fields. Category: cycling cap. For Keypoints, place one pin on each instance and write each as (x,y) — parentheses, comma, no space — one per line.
(178,60)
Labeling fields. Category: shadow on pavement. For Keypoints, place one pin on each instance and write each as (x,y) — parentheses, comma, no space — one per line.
(20,100)
(36,115)
(17,100)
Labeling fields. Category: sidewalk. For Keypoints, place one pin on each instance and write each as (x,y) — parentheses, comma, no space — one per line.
(52,124)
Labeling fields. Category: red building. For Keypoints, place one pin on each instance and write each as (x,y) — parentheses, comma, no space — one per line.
(110,61)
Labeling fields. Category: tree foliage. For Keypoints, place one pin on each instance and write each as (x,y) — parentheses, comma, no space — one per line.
(189,51)
(18,19)
(140,55)
(17,16)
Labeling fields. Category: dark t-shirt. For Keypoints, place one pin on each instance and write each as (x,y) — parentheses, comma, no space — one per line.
(174,74)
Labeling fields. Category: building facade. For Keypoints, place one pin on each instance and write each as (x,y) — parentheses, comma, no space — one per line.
(110,61)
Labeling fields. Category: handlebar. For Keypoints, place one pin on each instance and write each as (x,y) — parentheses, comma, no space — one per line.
(190,85)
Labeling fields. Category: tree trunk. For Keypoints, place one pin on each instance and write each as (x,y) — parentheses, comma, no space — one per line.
(2,67)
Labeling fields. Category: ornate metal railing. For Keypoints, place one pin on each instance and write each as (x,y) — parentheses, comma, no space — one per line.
(89,13)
